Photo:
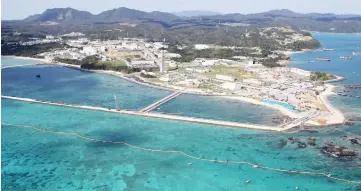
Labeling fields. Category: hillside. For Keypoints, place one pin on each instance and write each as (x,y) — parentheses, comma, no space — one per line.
(60,15)
(122,14)
(195,13)
(323,22)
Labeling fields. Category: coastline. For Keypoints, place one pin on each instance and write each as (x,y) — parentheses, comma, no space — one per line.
(335,115)
(43,60)
(338,79)
(289,53)
(318,32)
(281,109)
(323,96)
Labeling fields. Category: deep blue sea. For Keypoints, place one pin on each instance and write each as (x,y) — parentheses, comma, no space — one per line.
(36,160)
(344,44)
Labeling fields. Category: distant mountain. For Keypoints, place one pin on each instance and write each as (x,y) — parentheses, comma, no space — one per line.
(283,13)
(163,16)
(60,15)
(122,14)
(115,15)
(291,14)
(324,22)
(195,13)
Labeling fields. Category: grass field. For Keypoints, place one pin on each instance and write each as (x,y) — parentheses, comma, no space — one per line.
(237,72)
(113,63)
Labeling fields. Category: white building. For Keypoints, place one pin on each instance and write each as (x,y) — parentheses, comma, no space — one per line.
(252,81)
(130,45)
(240,57)
(162,67)
(301,72)
(275,86)
(172,64)
(88,50)
(209,62)
(231,86)
(251,62)
(190,83)
(225,78)
(198,70)
(148,73)
(49,37)
(164,79)
(74,34)
(173,55)
(142,64)
(201,46)
(103,49)
(159,45)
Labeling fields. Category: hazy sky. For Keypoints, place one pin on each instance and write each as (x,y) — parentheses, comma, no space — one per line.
(19,9)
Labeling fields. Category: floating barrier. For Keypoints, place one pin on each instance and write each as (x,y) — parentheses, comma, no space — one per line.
(327,175)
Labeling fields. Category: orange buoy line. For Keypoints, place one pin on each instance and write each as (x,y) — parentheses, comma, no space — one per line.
(327,175)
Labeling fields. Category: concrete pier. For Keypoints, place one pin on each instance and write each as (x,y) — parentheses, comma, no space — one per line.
(300,121)
(160,102)
(161,116)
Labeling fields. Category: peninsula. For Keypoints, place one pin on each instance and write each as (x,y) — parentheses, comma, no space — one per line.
(252,70)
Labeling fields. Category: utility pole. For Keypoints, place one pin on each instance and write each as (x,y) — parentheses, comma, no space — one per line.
(115,101)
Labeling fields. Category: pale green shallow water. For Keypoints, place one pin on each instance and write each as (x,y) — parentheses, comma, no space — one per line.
(37,161)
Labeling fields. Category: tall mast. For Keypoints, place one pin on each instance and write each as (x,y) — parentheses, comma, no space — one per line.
(115,101)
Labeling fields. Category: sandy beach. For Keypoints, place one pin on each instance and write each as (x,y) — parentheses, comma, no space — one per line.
(335,115)
(29,58)
(289,53)
(281,109)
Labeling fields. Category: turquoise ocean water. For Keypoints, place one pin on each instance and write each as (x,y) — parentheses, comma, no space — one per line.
(212,107)
(344,44)
(34,160)
(61,84)
(8,61)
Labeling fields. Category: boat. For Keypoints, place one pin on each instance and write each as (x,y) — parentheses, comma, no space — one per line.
(345,57)
(38,76)
(328,49)
(323,59)
(356,53)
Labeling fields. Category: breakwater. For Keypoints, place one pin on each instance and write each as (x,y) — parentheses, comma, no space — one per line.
(165,116)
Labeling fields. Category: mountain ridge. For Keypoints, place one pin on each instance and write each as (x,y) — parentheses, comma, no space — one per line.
(59,14)
(113,15)
(195,13)
(122,13)
(323,22)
